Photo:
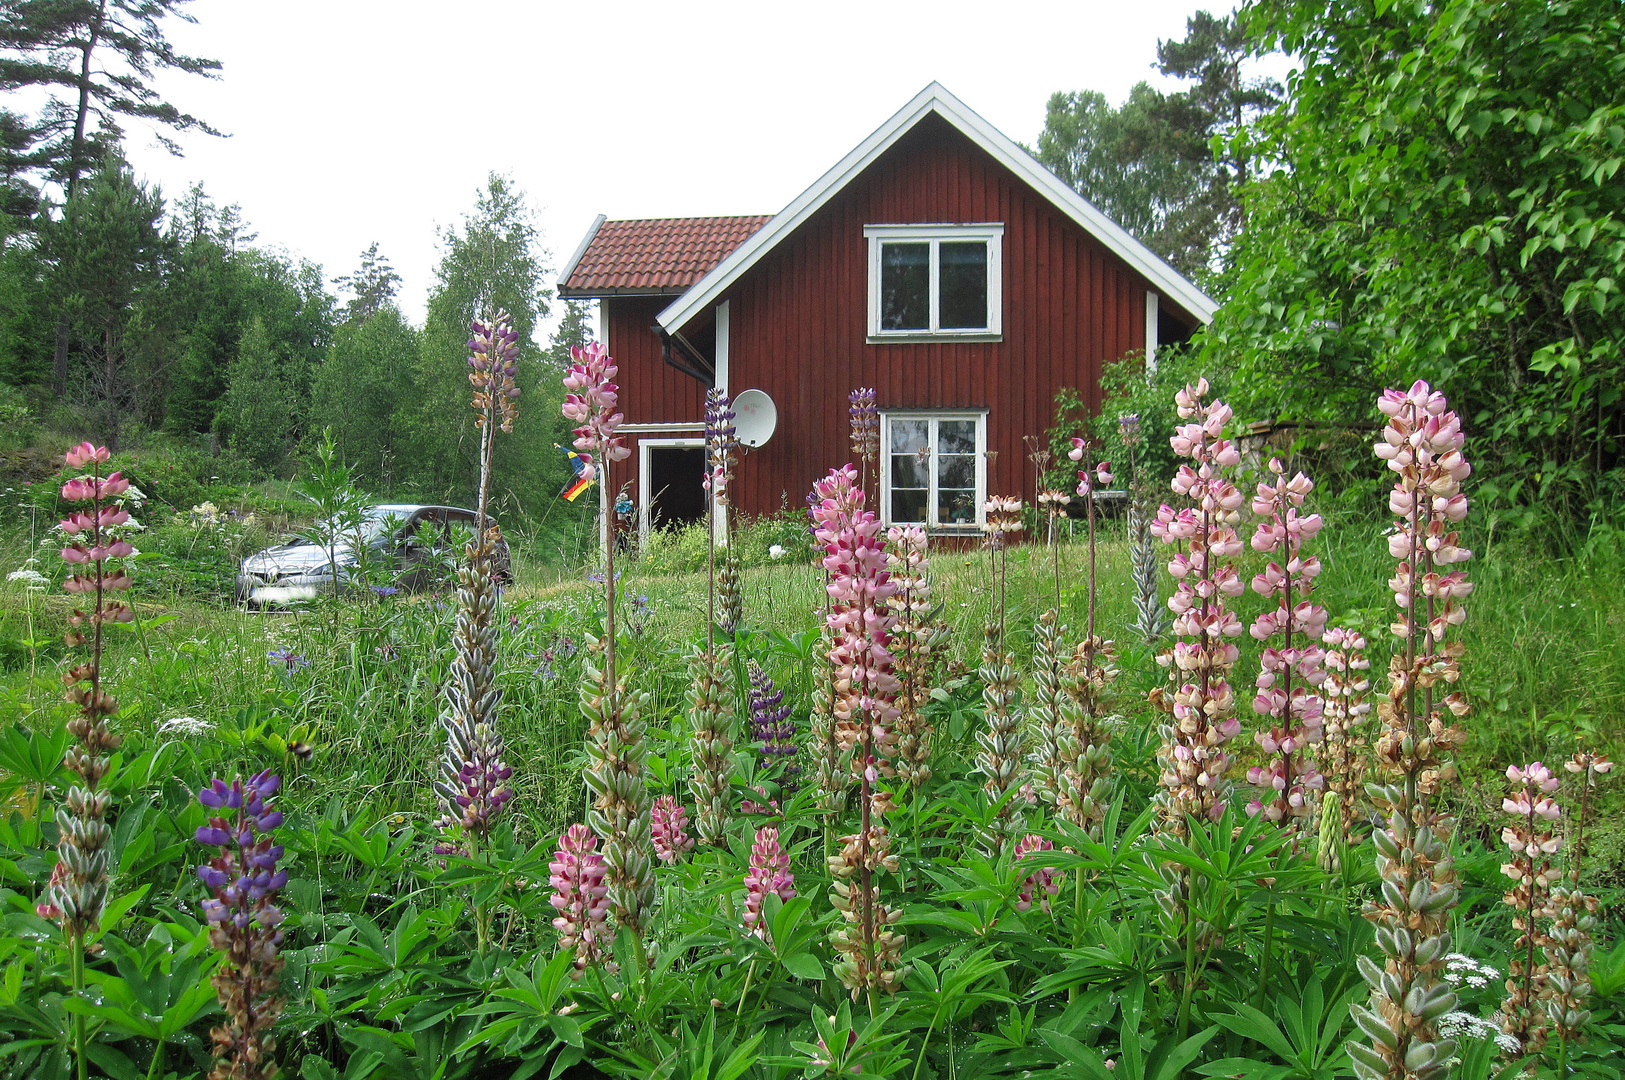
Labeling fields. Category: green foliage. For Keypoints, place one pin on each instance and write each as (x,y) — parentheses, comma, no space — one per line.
(1445,209)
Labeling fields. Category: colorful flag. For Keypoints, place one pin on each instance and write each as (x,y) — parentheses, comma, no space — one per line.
(578,483)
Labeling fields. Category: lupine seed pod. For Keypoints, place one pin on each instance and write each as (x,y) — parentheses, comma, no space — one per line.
(871,952)
(1201,708)
(712,712)
(1422,444)
(1574,918)
(669,829)
(1150,617)
(920,637)
(769,872)
(1345,758)
(580,896)
(831,774)
(730,598)
(245,924)
(77,891)
(1049,714)
(1288,684)
(1002,739)
(1088,780)
(617,745)
(1533,840)
(473,787)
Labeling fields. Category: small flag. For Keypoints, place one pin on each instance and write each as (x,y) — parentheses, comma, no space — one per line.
(578,483)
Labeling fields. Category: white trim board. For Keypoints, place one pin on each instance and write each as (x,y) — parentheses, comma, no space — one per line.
(581,249)
(887,417)
(936,99)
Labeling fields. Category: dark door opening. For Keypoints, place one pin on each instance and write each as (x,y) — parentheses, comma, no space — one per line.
(676,497)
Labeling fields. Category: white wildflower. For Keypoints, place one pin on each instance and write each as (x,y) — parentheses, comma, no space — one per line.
(775,552)
(189,726)
(32,580)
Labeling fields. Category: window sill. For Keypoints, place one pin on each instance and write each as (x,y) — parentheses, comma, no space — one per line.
(927,337)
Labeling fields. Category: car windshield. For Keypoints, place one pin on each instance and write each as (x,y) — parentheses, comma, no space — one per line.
(378,523)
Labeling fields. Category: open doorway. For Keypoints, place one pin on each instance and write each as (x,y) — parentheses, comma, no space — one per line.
(672,475)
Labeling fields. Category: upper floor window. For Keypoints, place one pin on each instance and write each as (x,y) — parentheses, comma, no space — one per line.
(934,281)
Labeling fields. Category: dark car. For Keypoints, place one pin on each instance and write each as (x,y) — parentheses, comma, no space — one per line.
(410,545)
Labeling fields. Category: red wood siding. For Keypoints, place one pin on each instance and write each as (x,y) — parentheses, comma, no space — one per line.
(799,319)
(799,323)
(652,391)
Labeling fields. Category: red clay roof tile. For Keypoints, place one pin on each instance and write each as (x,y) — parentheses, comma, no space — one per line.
(656,255)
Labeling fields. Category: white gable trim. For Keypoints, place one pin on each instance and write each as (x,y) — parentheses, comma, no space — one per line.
(581,249)
(935,99)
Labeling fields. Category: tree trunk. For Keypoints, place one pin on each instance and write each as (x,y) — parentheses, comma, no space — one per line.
(93,34)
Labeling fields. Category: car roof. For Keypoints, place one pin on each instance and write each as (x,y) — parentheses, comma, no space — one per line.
(412,508)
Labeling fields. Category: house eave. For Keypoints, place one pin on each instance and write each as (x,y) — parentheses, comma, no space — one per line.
(599,294)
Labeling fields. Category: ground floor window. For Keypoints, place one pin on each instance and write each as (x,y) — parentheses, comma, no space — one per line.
(934,471)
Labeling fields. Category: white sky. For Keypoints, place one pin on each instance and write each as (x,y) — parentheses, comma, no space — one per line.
(360,120)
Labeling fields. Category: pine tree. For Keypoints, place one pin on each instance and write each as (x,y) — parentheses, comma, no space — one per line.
(574,329)
(256,415)
(373,285)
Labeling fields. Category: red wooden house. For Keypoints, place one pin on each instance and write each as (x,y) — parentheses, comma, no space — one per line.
(937,262)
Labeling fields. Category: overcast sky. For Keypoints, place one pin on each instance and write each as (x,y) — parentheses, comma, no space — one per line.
(352,121)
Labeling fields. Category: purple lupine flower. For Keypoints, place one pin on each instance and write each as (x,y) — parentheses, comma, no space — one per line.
(493,363)
(865,420)
(772,728)
(245,923)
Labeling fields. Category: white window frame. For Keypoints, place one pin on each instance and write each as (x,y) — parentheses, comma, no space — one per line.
(934,415)
(935,235)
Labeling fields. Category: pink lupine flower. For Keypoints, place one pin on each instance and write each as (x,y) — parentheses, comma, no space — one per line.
(769,872)
(1043,881)
(84,454)
(860,622)
(592,405)
(580,896)
(865,711)
(1290,779)
(1533,841)
(1193,755)
(669,826)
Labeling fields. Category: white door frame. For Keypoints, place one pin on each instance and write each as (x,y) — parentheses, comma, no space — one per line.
(645,488)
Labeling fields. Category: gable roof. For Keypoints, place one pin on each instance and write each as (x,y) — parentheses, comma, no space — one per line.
(708,289)
(654,256)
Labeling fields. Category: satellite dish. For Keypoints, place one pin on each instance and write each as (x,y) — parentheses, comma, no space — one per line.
(755,417)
